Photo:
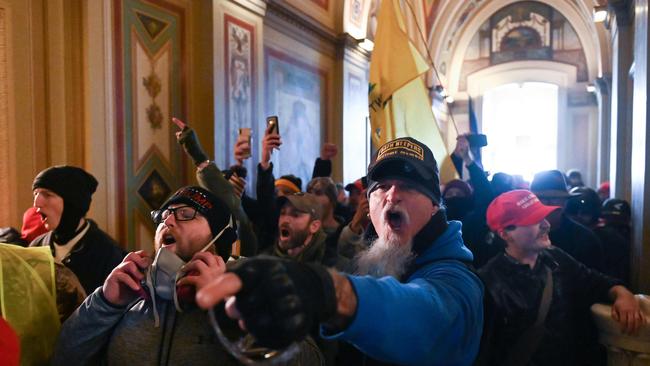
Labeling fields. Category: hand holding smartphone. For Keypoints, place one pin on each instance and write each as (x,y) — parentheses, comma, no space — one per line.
(244,136)
(272,125)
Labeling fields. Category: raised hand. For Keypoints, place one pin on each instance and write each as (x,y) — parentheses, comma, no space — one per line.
(122,285)
(270,142)
(360,218)
(190,142)
(181,125)
(328,151)
(242,149)
(238,184)
(462,149)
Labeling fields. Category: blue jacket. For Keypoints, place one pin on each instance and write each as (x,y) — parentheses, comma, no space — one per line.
(434,318)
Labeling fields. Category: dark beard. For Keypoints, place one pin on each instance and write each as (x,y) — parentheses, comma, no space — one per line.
(385,257)
(297,239)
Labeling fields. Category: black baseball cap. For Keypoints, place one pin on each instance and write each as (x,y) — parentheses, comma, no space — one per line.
(407,159)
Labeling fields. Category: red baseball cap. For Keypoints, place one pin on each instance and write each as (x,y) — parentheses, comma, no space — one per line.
(519,208)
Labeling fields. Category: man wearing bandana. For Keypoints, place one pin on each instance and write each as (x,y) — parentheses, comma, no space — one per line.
(414,300)
(144,314)
(62,196)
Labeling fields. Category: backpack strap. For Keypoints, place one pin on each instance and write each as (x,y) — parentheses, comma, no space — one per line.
(528,343)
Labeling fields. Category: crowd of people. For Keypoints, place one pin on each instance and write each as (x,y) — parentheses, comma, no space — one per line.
(393,268)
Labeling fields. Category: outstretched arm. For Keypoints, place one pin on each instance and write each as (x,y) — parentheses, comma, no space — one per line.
(437,319)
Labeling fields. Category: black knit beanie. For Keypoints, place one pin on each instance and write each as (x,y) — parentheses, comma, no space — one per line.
(214,210)
(76,187)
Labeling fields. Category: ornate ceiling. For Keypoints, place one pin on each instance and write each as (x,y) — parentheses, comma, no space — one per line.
(451,24)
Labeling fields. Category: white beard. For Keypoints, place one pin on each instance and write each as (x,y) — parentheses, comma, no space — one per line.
(385,257)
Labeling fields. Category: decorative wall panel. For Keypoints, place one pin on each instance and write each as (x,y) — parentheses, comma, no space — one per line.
(297,93)
(355,18)
(323,11)
(240,76)
(150,69)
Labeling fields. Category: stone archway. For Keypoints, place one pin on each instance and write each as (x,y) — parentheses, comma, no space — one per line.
(447,32)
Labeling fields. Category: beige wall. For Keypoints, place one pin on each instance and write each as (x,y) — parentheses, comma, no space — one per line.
(43,120)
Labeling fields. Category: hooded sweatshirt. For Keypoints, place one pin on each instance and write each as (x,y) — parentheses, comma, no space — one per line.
(434,317)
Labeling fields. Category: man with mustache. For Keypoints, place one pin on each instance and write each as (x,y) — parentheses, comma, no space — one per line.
(538,296)
(420,304)
(300,234)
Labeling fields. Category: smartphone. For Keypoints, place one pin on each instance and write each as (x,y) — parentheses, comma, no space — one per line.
(477,140)
(272,125)
(245,134)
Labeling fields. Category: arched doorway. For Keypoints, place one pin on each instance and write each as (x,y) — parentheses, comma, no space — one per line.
(522,122)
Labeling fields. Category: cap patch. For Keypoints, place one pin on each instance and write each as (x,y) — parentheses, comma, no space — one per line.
(196,197)
(400,147)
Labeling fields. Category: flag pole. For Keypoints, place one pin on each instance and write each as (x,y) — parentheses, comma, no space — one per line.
(432,64)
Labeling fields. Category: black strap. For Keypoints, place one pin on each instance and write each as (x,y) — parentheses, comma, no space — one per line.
(527,344)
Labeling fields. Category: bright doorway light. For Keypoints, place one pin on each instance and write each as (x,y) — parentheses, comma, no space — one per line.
(520,120)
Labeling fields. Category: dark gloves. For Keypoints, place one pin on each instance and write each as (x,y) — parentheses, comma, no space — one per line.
(282,299)
(192,146)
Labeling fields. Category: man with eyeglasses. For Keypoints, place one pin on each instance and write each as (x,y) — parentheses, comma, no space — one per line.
(144,314)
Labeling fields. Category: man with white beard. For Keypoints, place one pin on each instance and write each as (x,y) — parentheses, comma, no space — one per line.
(419,303)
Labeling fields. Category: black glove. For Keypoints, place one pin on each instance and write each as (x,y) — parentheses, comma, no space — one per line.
(192,146)
(281,299)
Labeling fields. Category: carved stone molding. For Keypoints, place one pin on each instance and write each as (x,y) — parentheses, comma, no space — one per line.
(300,27)
(256,6)
(352,45)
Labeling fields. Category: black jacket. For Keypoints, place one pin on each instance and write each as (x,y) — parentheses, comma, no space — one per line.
(513,296)
(578,241)
(91,259)
(477,236)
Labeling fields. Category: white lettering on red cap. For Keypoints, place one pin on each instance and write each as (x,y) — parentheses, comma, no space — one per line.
(527,201)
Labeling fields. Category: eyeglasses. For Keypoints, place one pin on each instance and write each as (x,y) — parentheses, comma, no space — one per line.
(181,213)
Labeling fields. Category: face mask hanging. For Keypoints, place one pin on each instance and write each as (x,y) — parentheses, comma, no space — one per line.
(165,271)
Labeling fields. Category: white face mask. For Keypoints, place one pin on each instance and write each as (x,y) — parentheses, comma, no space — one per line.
(165,271)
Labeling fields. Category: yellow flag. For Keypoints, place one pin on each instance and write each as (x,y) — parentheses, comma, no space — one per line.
(399,102)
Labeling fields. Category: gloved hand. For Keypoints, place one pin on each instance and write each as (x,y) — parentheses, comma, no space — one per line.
(190,142)
(282,299)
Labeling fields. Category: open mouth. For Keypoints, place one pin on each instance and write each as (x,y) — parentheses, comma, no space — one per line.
(395,219)
(284,233)
(168,239)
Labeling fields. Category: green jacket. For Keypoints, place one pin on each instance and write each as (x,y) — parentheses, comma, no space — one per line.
(213,180)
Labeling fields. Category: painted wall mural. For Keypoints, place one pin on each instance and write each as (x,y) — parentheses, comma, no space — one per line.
(524,31)
(297,93)
(150,89)
(355,17)
(239,46)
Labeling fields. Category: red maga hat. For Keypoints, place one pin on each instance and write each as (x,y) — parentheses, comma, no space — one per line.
(519,208)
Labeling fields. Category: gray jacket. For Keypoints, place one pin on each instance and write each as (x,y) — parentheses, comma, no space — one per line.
(99,333)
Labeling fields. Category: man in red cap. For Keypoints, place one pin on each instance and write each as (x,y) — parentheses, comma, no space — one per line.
(538,297)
